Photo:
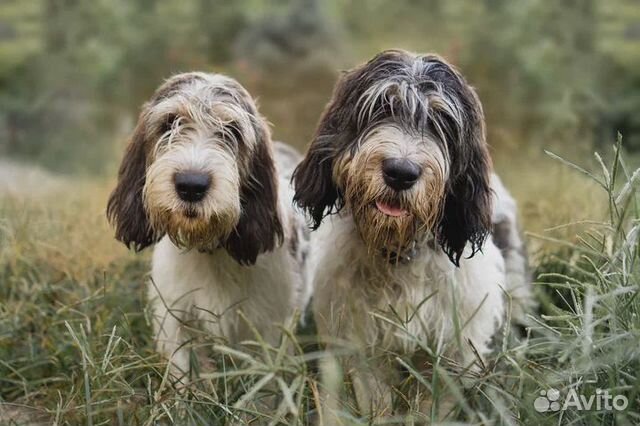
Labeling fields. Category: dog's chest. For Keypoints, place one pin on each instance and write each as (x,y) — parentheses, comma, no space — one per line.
(228,299)
(397,308)
(247,299)
(413,302)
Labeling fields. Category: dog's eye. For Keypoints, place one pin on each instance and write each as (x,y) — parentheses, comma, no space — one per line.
(232,132)
(167,123)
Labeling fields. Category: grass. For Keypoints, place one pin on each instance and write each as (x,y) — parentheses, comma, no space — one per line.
(76,346)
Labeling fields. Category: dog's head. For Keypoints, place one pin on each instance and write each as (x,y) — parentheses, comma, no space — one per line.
(402,145)
(199,169)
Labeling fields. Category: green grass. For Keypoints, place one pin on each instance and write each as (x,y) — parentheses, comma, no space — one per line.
(76,346)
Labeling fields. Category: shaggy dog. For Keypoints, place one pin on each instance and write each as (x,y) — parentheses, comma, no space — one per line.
(398,183)
(199,178)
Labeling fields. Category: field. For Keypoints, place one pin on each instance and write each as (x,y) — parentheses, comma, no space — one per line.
(76,346)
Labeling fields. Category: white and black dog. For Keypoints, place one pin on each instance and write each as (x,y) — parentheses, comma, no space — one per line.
(199,178)
(398,182)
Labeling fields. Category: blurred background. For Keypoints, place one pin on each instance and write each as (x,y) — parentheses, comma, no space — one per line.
(73,73)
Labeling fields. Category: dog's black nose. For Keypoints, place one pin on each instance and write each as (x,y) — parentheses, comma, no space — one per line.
(192,186)
(400,173)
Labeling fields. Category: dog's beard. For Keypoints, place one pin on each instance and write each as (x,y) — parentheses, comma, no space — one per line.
(389,221)
(188,228)
(202,225)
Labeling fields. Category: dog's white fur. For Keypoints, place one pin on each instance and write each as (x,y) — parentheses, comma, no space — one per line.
(506,235)
(213,288)
(354,292)
(350,285)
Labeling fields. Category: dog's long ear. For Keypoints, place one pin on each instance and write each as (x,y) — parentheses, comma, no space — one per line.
(259,229)
(125,209)
(337,132)
(315,189)
(466,216)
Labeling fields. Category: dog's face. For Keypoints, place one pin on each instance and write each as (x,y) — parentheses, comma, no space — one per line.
(199,169)
(393,185)
(401,145)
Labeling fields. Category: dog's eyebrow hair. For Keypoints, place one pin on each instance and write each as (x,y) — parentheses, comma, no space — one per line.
(233,128)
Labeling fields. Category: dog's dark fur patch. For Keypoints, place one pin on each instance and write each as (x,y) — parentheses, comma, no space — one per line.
(259,229)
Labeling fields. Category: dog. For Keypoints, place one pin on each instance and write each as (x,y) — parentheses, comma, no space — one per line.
(200,179)
(399,187)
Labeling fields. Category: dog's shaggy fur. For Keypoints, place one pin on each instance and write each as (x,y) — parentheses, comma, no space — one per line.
(418,254)
(235,244)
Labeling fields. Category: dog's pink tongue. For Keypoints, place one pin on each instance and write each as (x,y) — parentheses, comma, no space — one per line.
(390,210)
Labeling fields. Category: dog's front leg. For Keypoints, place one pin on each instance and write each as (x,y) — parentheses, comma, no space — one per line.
(372,394)
(170,339)
(372,390)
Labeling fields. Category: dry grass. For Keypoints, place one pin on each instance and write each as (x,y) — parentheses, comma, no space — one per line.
(75,342)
